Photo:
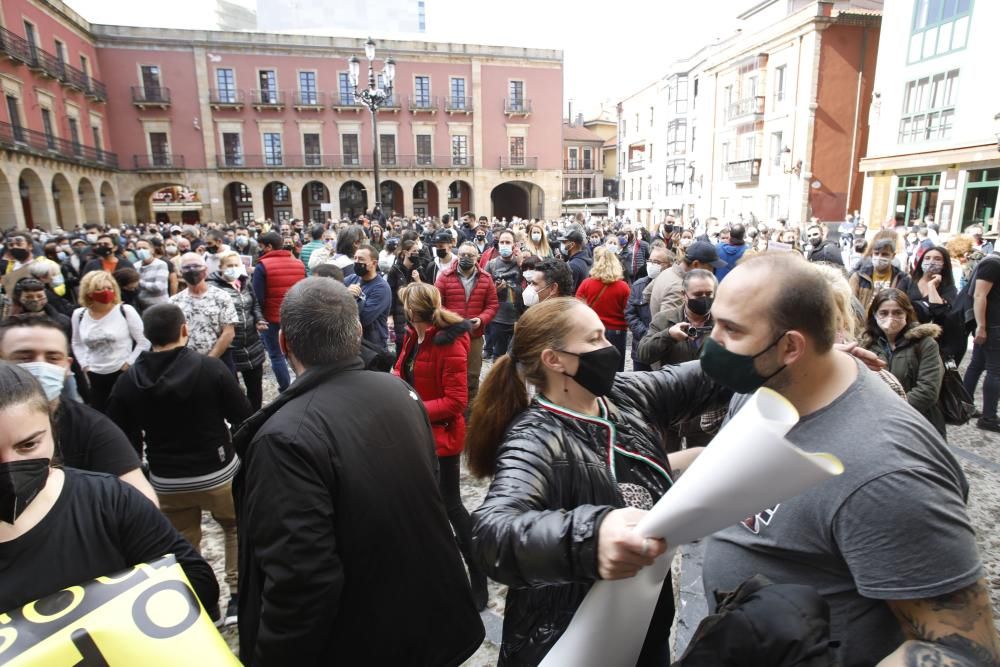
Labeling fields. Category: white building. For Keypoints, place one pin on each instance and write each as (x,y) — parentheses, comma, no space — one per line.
(639,133)
(933,147)
(381,16)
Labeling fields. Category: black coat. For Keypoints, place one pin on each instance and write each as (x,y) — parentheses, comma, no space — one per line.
(346,553)
(537,529)
(247,348)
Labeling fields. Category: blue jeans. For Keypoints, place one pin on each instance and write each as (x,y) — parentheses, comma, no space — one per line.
(278,364)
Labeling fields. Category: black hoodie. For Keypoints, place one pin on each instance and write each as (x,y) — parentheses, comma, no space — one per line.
(182,400)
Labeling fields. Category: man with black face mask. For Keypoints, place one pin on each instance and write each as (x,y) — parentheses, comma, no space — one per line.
(105,257)
(209,312)
(820,250)
(373,295)
(887,543)
(444,241)
(17,253)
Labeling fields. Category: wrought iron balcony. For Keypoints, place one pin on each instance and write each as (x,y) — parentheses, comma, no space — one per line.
(21,139)
(743,172)
(359,162)
(226,98)
(457,104)
(423,104)
(748,106)
(342,102)
(518,163)
(516,106)
(150,96)
(20,50)
(579,165)
(310,100)
(267,99)
(158,162)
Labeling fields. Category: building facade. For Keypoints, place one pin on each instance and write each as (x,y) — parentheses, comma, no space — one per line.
(583,169)
(391,16)
(216,125)
(935,117)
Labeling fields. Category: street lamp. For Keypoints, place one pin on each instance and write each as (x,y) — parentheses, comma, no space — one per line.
(786,162)
(374,97)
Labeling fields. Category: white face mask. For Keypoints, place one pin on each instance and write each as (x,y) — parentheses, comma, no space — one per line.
(231,273)
(536,237)
(50,376)
(891,325)
(530,296)
(653,270)
(881,263)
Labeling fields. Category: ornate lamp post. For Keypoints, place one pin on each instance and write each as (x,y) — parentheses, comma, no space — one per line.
(374,97)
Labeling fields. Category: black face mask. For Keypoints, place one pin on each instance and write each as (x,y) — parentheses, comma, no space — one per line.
(700,305)
(441,252)
(102,251)
(480,240)
(194,276)
(597,369)
(466,263)
(20,483)
(19,254)
(360,269)
(211,249)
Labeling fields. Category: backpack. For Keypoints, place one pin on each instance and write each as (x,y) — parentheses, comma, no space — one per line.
(963,308)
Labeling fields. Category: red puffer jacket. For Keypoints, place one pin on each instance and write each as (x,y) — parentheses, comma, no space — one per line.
(439,376)
(281,272)
(482,301)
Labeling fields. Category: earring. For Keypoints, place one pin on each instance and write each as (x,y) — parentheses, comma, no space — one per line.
(565,386)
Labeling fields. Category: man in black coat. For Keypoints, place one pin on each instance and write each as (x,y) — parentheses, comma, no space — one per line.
(346,553)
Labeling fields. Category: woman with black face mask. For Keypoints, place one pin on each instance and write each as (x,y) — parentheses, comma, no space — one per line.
(63,527)
(573,472)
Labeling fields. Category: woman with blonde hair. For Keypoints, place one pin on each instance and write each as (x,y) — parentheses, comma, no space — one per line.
(573,470)
(606,292)
(536,241)
(434,360)
(107,335)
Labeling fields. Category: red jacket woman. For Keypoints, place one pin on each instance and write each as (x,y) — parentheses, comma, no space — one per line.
(435,360)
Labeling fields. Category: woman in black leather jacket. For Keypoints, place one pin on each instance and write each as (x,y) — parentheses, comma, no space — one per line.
(573,472)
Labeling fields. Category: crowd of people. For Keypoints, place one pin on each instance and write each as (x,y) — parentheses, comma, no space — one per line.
(132,367)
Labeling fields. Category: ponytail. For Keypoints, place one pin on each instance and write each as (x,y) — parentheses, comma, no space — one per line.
(501,398)
(442,318)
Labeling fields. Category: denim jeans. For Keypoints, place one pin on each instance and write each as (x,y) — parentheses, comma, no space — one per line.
(278,364)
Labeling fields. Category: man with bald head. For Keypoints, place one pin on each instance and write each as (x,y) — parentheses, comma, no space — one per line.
(209,312)
(887,543)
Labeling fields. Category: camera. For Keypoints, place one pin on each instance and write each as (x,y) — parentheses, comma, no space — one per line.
(698,332)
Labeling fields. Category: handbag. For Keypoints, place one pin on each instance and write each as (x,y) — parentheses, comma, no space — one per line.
(955,402)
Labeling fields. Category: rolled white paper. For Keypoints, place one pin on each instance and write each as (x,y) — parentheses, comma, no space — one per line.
(722,486)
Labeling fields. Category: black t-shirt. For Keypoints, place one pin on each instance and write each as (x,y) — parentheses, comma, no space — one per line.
(98,526)
(989,269)
(90,441)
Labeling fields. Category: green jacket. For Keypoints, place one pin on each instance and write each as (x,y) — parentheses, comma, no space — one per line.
(916,363)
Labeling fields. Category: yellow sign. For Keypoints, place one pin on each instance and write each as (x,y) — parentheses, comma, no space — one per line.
(147,615)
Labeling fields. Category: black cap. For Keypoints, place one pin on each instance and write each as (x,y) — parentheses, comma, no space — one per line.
(443,236)
(573,235)
(704,252)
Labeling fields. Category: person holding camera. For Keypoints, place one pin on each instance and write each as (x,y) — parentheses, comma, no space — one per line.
(675,335)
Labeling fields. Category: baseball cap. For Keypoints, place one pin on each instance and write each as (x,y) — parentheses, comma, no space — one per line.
(704,252)
(443,236)
(574,235)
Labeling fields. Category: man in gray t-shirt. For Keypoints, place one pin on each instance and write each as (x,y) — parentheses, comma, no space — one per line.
(888,543)
(892,525)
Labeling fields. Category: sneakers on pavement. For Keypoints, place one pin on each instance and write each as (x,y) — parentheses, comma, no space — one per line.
(232,610)
(988,424)
(216,616)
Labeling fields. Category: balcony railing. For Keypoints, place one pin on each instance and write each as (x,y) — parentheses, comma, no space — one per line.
(267,99)
(423,104)
(519,163)
(20,50)
(97,90)
(743,172)
(362,162)
(226,98)
(514,106)
(458,105)
(579,165)
(748,106)
(636,165)
(152,96)
(344,102)
(310,100)
(168,161)
(392,104)
(47,145)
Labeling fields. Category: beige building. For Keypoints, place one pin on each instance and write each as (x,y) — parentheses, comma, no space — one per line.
(583,169)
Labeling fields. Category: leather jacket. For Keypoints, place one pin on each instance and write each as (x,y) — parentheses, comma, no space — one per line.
(537,529)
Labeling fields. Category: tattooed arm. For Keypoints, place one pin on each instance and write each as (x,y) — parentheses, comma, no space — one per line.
(953,630)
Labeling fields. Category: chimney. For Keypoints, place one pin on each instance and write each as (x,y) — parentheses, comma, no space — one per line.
(579,119)
(569,115)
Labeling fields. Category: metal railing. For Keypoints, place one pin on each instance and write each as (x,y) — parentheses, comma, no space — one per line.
(22,139)
(748,106)
(516,105)
(459,104)
(150,95)
(743,172)
(267,98)
(363,162)
(226,97)
(310,99)
(579,165)
(519,163)
(21,50)
(158,161)
(636,165)
(423,103)
(341,101)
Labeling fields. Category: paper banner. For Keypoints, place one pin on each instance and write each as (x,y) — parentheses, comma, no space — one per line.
(147,615)
(747,467)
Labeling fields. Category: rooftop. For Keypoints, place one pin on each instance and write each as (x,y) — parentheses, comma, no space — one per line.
(579,133)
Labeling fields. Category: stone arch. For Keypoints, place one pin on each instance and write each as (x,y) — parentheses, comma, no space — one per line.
(277,202)
(517,198)
(142,200)
(353,199)
(8,204)
(459,198)
(35,199)
(425,198)
(89,203)
(314,195)
(65,202)
(237,198)
(391,198)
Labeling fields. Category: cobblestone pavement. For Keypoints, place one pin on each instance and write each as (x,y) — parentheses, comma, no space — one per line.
(978,451)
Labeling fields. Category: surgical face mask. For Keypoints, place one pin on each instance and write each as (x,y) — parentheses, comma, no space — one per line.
(242,241)
(20,483)
(506,251)
(61,256)
(536,237)
(529,296)
(653,270)
(170,249)
(686,242)
(563,248)
(91,238)
(881,263)
(143,254)
(33,305)
(612,248)
(700,305)
(231,273)
(732,370)
(466,263)
(932,267)
(50,376)
(597,369)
